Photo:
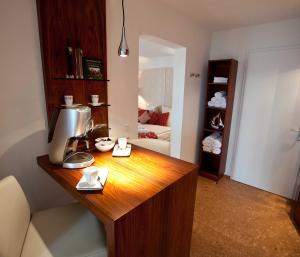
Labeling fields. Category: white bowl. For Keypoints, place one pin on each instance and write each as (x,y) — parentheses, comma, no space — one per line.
(103,145)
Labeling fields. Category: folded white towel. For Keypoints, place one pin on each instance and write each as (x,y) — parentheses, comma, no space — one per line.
(220,104)
(216,150)
(214,99)
(212,143)
(217,144)
(211,104)
(207,149)
(218,101)
(208,142)
(213,140)
(220,94)
(220,80)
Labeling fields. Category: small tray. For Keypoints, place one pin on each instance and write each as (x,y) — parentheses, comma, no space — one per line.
(84,186)
(117,152)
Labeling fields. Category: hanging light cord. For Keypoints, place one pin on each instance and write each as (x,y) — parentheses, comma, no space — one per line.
(123,15)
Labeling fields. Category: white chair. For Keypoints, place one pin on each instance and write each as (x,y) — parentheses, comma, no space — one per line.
(69,231)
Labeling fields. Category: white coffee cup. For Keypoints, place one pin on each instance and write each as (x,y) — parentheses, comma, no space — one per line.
(95,99)
(122,142)
(68,100)
(91,175)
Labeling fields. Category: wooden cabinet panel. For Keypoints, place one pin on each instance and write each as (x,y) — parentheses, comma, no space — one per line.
(69,23)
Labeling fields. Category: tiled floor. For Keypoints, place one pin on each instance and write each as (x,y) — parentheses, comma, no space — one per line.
(235,220)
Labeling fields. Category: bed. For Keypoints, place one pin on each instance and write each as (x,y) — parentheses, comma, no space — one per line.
(162,132)
(160,144)
(153,136)
(157,145)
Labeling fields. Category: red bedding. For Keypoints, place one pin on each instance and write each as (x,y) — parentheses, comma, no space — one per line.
(147,135)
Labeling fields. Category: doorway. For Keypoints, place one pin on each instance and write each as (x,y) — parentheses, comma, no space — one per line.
(268,153)
(160,94)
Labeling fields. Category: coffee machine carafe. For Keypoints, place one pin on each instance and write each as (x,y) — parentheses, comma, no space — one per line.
(67,126)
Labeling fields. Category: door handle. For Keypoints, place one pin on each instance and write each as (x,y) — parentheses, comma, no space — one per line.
(295,130)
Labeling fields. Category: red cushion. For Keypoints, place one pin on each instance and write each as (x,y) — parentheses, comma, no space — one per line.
(154,117)
(163,119)
(140,111)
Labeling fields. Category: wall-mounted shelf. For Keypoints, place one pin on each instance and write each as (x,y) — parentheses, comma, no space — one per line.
(65,24)
(99,106)
(216,108)
(89,105)
(218,84)
(71,79)
(213,165)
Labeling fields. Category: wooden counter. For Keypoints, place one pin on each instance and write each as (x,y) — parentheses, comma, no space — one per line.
(147,204)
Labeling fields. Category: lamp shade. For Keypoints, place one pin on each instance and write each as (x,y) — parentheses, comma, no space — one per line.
(123,48)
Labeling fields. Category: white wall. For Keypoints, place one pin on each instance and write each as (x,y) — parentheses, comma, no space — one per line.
(236,43)
(23,133)
(155,62)
(23,120)
(155,87)
(152,18)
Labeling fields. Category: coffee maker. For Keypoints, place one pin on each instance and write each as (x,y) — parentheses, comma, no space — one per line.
(67,127)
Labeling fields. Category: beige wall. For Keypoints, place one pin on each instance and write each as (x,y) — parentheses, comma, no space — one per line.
(150,18)
(23,127)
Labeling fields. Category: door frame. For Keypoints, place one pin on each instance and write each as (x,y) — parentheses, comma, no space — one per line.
(240,105)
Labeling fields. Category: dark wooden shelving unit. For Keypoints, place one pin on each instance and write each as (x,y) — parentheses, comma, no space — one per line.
(67,23)
(213,165)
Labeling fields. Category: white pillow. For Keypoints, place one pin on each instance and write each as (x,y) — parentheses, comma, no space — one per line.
(153,108)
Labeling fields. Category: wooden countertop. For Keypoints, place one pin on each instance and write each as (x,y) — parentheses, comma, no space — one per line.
(131,180)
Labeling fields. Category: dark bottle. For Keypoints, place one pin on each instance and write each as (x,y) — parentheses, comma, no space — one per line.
(69,58)
(78,61)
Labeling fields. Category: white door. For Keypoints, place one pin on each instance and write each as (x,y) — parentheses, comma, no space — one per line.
(268,153)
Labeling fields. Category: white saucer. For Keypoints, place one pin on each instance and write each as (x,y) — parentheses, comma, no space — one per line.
(117,152)
(97,104)
(71,106)
(84,186)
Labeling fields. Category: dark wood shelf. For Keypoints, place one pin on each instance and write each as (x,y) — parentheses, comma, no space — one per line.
(213,165)
(204,152)
(213,130)
(106,80)
(89,105)
(99,106)
(218,84)
(216,108)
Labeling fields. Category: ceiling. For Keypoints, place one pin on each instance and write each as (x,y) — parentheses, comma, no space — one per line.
(227,14)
